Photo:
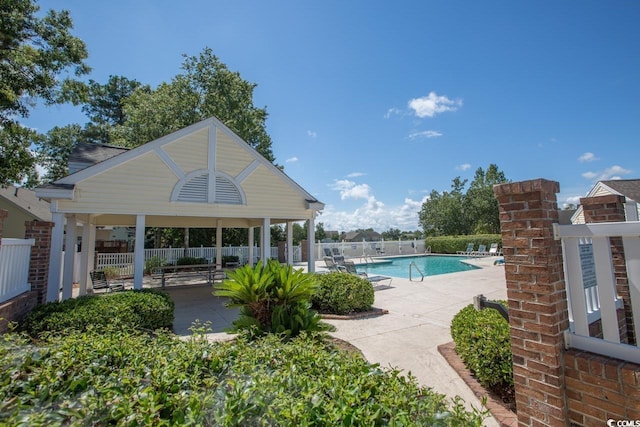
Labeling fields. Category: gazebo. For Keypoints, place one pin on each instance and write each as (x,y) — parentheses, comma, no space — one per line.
(202,176)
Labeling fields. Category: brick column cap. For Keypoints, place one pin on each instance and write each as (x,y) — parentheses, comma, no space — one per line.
(605,199)
(530,186)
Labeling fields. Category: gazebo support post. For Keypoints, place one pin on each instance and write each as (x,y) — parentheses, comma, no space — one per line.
(87,254)
(265,240)
(219,245)
(311,241)
(55,256)
(251,244)
(138,251)
(290,242)
(69,257)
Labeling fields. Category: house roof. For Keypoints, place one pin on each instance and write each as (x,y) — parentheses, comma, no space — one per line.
(201,176)
(630,188)
(93,153)
(26,200)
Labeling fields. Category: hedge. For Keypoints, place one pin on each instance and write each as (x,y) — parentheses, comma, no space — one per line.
(483,343)
(146,308)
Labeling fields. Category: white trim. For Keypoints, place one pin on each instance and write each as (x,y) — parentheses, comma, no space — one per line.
(55,193)
(169,162)
(247,171)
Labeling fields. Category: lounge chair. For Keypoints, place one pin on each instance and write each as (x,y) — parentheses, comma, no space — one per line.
(350,267)
(469,250)
(99,281)
(335,252)
(333,263)
(482,251)
(327,252)
(494,250)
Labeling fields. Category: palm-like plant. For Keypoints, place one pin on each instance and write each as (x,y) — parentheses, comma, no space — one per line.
(272,298)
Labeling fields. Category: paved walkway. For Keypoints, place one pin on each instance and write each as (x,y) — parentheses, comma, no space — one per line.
(407,337)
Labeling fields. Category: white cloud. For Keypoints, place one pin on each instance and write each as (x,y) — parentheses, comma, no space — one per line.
(291,160)
(356,174)
(351,190)
(614,172)
(425,134)
(312,134)
(587,157)
(463,167)
(432,104)
(374,214)
(391,112)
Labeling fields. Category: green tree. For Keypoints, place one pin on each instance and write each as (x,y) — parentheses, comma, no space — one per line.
(443,214)
(320,233)
(392,234)
(54,149)
(17,162)
(480,203)
(34,54)
(206,88)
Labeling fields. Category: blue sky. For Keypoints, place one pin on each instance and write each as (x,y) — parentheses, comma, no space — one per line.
(372,105)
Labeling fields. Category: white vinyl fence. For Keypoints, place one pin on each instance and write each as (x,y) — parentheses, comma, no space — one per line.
(591,285)
(15,256)
(366,249)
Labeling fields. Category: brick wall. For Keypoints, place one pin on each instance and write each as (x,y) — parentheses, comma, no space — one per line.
(553,386)
(17,308)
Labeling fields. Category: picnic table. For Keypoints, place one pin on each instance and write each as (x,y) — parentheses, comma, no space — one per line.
(209,272)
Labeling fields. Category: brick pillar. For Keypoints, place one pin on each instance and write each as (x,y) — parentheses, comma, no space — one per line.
(40,231)
(538,313)
(610,208)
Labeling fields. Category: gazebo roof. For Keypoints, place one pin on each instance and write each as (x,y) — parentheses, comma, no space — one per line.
(201,176)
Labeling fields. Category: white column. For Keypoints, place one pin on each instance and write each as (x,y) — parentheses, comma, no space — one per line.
(251,243)
(87,257)
(290,242)
(69,257)
(138,253)
(219,245)
(311,241)
(265,241)
(55,257)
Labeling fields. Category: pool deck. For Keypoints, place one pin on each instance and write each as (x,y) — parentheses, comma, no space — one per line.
(407,338)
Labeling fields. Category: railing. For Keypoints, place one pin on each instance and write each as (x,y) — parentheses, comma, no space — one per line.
(124,261)
(591,285)
(411,267)
(373,249)
(15,255)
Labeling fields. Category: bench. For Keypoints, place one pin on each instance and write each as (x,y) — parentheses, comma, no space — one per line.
(99,281)
(207,272)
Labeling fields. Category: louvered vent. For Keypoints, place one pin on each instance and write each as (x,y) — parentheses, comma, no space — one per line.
(196,190)
(226,192)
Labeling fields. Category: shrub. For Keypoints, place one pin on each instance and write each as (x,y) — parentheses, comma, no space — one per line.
(123,377)
(483,343)
(111,272)
(189,260)
(153,262)
(272,298)
(453,244)
(147,308)
(342,293)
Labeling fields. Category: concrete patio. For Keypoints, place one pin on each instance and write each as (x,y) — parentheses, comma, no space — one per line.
(406,338)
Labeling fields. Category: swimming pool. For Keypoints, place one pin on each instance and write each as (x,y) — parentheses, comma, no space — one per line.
(430,265)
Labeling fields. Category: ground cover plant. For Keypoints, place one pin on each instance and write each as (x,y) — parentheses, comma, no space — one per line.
(273,298)
(342,293)
(147,309)
(483,343)
(115,376)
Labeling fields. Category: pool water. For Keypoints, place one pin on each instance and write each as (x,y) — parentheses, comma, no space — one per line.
(430,265)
